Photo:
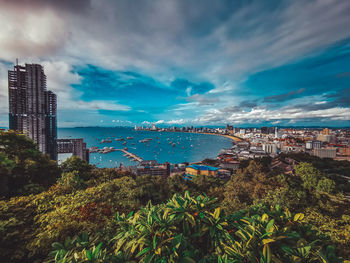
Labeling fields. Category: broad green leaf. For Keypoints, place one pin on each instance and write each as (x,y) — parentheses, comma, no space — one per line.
(269,226)
(143,251)
(88,254)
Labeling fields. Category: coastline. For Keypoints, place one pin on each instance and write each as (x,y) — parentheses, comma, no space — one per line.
(232,137)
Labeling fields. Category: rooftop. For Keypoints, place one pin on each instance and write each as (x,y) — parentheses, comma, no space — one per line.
(203,167)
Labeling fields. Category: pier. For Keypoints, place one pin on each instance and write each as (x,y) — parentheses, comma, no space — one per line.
(131,155)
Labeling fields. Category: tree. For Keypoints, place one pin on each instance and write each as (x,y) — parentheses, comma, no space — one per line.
(326,185)
(6,166)
(74,163)
(309,175)
(23,163)
(247,186)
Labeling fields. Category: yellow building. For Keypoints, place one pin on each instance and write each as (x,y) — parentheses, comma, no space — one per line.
(195,170)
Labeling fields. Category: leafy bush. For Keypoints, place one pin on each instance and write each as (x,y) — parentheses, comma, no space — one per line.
(187,229)
(71,181)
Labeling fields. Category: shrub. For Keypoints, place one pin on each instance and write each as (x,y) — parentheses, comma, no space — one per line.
(187,229)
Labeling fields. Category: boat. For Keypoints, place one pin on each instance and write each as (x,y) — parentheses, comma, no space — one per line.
(119,139)
(125,148)
(124,143)
(93,149)
(145,140)
(105,150)
(106,140)
(130,138)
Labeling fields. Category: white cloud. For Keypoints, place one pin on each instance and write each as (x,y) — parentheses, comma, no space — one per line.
(179,121)
(261,114)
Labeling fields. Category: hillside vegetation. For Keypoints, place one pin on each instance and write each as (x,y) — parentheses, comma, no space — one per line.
(78,213)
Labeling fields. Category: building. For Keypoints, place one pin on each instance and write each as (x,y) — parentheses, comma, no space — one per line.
(270,148)
(32,108)
(326,131)
(277,133)
(264,130)
(344,151)
(230,164)
(313,145)
(153,168)
(195,170)
(325,136)
(75,146)
(33,112)
(325,152)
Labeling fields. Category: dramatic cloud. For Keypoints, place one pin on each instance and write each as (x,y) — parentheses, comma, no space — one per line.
(182,61)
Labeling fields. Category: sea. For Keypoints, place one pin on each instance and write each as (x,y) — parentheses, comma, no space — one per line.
(172,147)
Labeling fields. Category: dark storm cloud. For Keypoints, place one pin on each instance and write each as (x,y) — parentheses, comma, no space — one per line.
(340,98)
(59,5)
(283,97)
(248,104)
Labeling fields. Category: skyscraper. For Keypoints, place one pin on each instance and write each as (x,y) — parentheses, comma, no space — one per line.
(32,109)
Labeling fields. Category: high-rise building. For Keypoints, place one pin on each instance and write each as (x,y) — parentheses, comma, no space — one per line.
(264,130)
(32,109)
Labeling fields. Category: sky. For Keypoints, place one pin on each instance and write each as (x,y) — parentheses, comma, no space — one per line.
(184,62)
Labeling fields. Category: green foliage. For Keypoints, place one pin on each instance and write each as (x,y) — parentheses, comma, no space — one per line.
(313,179)
(208,184)
(253,184)
(6,164)
(71,181)
(16,229)
(309,174)
(325,185)
(22,163)
(82,167)
(187,229)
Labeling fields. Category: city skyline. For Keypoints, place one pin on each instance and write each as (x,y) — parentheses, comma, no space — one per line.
(286,63)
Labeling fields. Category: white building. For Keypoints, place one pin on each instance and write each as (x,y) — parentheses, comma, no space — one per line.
(270,148)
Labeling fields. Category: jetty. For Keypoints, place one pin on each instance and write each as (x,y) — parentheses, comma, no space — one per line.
(131,155)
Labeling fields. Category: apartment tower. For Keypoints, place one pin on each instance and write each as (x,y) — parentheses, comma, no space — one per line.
(32,108)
